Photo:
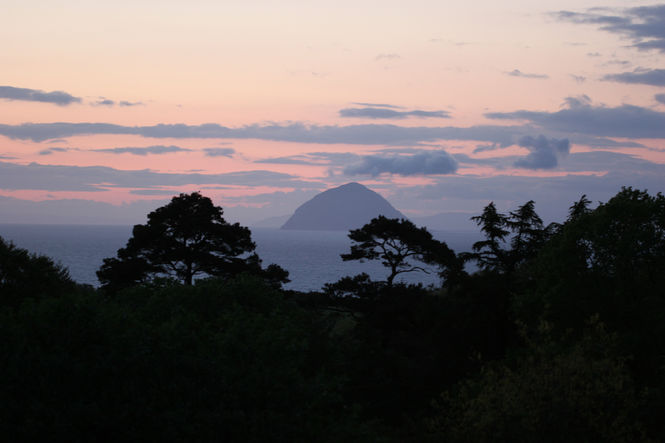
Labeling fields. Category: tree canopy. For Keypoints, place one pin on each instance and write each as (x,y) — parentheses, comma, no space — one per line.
(23,274)
(396,242)
(182,240)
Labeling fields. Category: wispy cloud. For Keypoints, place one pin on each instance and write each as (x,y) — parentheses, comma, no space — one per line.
(644,25)
(387,56)
(49,151)
(219,152)
(581,117)
(660,98)
(313,159)
(104,102)
(146,150)
(377,105)
(387,113)
(653,77)
(100,178)
(59,98)
(518,73)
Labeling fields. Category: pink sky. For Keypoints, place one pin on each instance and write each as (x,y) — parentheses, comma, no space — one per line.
(472,102)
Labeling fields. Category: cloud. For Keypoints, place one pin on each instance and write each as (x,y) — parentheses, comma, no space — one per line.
(369,134)
(313,159)
(581,121)
(423,163)
(544,153)
(59,98)
(219,152)
(581,117)
(660,98)
(578,78)
(391,56)
(644,25)
(485,148)
(108,102)
(36,176)
(104,102)
(377,105)
(157,149)
(642,76)
(152,192)
(49,151)
(518,73)
(385,113)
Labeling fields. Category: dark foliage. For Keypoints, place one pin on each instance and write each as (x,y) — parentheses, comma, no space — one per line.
(558,337)
(396,243)
(24,275)
(186,238)
(213,362)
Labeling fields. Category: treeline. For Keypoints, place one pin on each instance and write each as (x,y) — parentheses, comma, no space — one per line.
(559,336)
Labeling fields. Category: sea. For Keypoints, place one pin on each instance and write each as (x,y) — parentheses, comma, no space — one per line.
(311,257)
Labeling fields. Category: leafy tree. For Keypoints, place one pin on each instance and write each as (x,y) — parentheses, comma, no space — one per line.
(186,238)
(24,275)
(579,208)
(529,233)
(489,253)
(582,392)
(395,242)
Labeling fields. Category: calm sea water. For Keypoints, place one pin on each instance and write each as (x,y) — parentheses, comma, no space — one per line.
(311,257)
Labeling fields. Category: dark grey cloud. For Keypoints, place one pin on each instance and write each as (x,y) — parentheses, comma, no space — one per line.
(553,195)
(580,117)
(423,163)
(219,152)
(580,121)
(368,134)
(59,98)
(128,103)
(607,161)
(385,113)
(544,153)
(518,73)
(100,178)
(644,25)
(51,150)
(145,150)
(653,77)
(660,98)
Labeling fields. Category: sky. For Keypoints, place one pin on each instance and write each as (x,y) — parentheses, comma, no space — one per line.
(108,109)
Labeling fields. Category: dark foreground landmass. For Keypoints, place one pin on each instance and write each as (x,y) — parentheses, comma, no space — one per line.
(559,337)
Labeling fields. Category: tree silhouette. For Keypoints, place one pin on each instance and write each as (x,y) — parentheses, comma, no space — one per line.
(529,236)
(489,253)
(186,238)
(394,242)
(26,275)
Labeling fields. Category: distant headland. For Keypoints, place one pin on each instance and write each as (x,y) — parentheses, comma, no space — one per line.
(349,206)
